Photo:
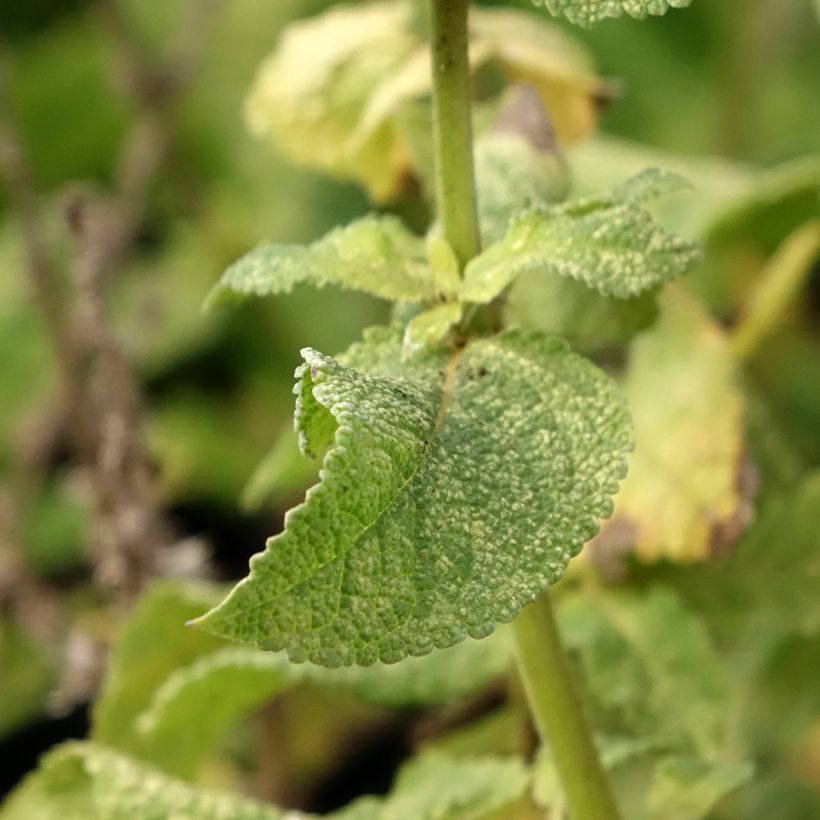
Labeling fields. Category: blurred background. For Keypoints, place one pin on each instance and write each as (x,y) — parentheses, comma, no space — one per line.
(143,438)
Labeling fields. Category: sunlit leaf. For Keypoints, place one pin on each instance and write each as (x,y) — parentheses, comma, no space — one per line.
(404,545)
(375,254)
(611,244)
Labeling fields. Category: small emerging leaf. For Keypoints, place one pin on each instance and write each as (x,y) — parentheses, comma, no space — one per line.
(611,244)
(375,254)
(589,12)
(429,328)
(457,488)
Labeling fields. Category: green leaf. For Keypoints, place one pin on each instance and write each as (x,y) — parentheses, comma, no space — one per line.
(436,787)
(405,545)
(375,254)
(611,244)
(87,781)
(563,307)
(672,692)
(28,676)
(311,93)
(681,384)
(234,680)
(427,329)
(685,788)
(196,704)
(511,176)
(589,12)
(154,642)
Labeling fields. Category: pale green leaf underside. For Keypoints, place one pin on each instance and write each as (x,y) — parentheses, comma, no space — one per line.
(375,254)
(611,244)
(450,498)
(589,12)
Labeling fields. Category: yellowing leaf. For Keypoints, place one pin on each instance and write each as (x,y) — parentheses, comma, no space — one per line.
(533,53)
(688,414)
(311,92)
(333,93)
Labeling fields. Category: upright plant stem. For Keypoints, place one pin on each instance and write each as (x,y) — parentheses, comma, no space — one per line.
(558,714)
(452,129)
(556,710)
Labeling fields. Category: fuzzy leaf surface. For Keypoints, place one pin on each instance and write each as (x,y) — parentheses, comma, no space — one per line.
(682,388)
(611,244)
(450,498)
(375,254)
(87,781)
(431,326)
(589,12)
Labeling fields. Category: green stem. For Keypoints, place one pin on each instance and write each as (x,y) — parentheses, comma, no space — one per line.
(558,713)
(452,127)
(556,710)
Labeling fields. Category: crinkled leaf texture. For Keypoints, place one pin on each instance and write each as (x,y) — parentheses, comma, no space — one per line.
(611,244)
(589,12)
(455,489)
(86,781)
(375,254)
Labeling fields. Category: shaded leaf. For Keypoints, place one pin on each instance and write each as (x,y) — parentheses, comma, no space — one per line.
(28,677)
(511,176)
(86,781)
(685,788)
(611,244)
(404,545)
(589,12)
(375,254)
(563,307)
(196,704)
(682,389)
(671,692)
(153,643)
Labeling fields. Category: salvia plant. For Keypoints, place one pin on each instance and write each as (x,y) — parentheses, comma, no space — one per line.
(467,450)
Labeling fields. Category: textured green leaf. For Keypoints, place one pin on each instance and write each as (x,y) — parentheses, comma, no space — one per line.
(220,688)
(375,254)
(563,307)
(672,692)
(435,787)
(430,327)
(86,781)
(589,12)
(611,244)
(686,788)
(153,643)
(405,545)
(196,704)
(681,384)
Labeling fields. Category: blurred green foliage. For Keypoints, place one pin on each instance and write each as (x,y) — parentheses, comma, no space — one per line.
(724,93)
